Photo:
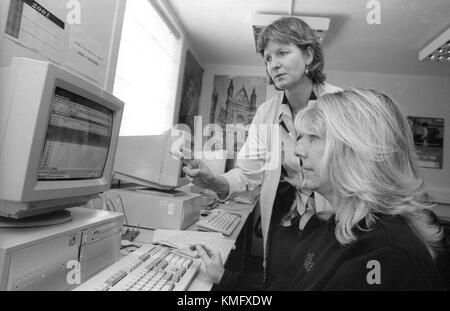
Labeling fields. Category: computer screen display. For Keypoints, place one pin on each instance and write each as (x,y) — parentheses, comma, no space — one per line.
(78,138)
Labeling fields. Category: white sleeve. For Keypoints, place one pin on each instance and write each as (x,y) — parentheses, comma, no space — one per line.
(258,154)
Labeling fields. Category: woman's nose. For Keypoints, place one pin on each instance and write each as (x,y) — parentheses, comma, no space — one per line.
(300,151)
(274,64)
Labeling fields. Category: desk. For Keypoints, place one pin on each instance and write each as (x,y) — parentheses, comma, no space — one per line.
(201,281)
(442,211)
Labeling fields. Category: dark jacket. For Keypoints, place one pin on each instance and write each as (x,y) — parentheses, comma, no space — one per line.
(388,257)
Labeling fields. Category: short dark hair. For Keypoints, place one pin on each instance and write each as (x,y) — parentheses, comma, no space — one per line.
(294,30)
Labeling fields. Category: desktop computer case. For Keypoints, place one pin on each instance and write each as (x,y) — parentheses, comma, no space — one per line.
(42,258)
(150,210)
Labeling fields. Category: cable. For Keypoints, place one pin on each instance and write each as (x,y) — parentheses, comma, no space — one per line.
(128,232)
(123,209)
(108,203)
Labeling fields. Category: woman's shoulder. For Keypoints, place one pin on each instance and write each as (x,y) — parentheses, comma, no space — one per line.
(275,99)
(399,251)
(393,235)
(391,231)
(269,108)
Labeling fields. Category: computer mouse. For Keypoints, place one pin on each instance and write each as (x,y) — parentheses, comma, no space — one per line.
(204,213)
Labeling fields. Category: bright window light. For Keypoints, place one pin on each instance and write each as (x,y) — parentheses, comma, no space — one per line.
(147,70)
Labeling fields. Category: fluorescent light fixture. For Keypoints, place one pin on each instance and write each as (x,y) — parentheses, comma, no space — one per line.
(318,24)
(438,49)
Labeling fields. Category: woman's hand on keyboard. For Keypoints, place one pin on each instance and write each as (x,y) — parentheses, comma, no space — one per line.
(212,260)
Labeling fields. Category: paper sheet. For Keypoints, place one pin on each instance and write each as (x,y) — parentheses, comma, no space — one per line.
(85,54)
(32,25)
(183,239)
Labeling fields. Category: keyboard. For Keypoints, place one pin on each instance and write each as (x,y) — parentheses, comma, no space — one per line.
(219,221)
(149,268)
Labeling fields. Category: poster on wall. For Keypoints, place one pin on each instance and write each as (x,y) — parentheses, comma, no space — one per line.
(86,55)
(192,87)
(428,134)
(234,101)
(33,25)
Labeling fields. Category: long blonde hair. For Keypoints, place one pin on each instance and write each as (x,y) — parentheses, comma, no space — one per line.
(370,158)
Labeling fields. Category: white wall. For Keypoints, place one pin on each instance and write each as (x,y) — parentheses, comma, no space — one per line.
(427,96)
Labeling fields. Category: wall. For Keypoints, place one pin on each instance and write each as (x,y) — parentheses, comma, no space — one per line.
(427,96)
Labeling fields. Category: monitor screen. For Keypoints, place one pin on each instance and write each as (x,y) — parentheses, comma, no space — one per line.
(77,140)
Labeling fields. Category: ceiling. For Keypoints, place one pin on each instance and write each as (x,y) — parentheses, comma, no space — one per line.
(220,32)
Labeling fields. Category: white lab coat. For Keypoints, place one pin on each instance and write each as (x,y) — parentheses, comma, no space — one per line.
(253,171)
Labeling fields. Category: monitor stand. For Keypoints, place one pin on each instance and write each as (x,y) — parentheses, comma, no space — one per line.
(48,219)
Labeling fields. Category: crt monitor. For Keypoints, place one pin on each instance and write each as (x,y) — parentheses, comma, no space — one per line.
(58,137)
(148,161)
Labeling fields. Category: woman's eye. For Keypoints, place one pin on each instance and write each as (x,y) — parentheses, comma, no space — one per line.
(313,138)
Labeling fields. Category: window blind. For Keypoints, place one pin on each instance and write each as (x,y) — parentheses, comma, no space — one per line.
(147,70)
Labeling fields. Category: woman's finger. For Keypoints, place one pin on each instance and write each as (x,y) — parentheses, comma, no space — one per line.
(191,172)
(202,253)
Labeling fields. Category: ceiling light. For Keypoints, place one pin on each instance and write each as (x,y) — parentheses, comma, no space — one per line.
(318,24)
(438,47)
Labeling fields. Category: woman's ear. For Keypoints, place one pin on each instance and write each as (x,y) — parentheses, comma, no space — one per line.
(309,55)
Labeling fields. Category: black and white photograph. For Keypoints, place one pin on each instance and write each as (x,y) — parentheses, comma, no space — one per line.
(233,152)
(428,135)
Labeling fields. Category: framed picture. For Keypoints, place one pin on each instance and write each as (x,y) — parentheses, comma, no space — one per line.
(192,87)
(428,134)
(234,101)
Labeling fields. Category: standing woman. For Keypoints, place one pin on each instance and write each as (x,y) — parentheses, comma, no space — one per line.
(294,64)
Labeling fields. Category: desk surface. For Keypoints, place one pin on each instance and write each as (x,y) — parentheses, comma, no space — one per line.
(442,211)
(201,282)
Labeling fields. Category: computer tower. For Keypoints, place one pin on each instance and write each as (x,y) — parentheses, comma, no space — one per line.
(59,257)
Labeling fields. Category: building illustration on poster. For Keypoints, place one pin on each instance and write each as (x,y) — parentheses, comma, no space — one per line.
(234,101)
(428,135)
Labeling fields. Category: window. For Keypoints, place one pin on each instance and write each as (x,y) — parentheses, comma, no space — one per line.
(147,69)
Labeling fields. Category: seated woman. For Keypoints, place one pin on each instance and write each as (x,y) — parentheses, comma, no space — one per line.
(356,149)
